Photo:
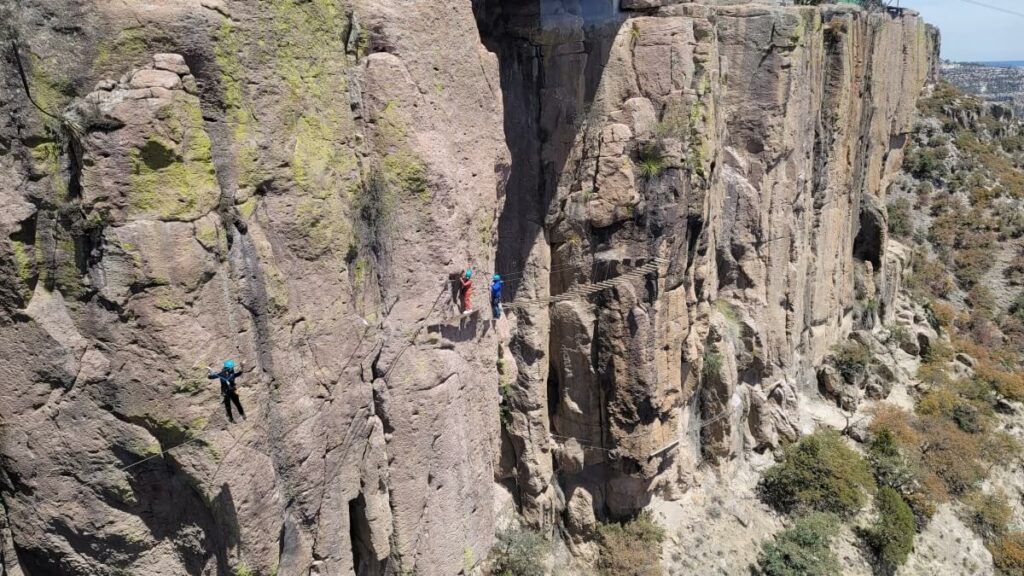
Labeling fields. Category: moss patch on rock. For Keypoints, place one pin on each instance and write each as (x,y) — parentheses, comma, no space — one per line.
(173,176)
(124,50)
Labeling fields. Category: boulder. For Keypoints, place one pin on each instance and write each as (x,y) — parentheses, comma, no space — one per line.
(155,79)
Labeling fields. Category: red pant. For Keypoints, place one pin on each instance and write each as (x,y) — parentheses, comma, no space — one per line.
(467,294)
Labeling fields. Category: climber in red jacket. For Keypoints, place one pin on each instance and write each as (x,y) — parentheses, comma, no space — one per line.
(466,291)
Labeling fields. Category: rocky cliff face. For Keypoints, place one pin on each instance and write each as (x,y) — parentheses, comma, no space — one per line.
(748,147)
(292,184)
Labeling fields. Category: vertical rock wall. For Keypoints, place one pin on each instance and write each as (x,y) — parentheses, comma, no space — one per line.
(749,147)
(288,184)
(292,183)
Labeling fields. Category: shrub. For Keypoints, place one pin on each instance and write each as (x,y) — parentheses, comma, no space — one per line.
(930,278)
(632,548)
(651,161)
(951,453)
(851,359)
(712,367)
(891,465)
(897,421)
(1008,554)
(948,404)
(818,473)
(519,552)
(802,550)
(982,301)
(925,163)
(944,313)
(1017,307)
(1015,276)
(999,447)
(1008,383)
(892,534)
(900,335)
(987,514)
(900,223)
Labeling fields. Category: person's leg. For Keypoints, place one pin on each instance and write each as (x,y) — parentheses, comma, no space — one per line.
(238,404)
(227,407)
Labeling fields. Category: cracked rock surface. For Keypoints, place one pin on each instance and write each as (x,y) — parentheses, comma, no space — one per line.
(292,184)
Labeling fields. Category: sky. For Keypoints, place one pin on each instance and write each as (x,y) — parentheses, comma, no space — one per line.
(975,33)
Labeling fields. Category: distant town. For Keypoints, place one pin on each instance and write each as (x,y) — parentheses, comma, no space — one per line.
(993,81)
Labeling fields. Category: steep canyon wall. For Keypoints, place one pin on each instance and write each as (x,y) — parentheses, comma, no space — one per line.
(749,147)
(292,184)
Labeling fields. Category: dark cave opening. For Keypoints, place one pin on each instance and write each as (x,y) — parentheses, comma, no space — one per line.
(554,397)
(364,561)
(869,243)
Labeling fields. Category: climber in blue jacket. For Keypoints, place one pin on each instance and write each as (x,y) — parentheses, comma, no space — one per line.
(228,388)
(496,285)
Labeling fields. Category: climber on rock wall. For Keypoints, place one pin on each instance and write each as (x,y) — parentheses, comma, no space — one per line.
(228,388)
(466,291)
(496,285)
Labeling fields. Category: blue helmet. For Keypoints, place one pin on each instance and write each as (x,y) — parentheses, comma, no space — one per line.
(496,277)
(229,364)
(469,273)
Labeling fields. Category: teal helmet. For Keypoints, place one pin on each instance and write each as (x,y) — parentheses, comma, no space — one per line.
(496,277)
(469,273)
(229,364)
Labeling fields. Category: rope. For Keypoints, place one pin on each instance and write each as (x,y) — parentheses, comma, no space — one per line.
(24,82)
(416,332)
(705,424)
(588,289)
(196,438)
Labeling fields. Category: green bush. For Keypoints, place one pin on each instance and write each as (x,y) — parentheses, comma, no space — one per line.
(892,467)
(1017,307)
(519,552)
(632,548)
(818,473)
(851,359)
(712,367)
(925,163)
(651,161)
(892,534)
(900,224)
(802,550)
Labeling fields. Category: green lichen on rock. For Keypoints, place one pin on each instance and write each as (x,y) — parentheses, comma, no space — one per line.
(206,233)
(322,226)
(46,164)
(319,163)
(24,263)
(228,45)
(169,304)
(48,90)
(126,49)
(66,277)
(407,175)
(171,432)
(173,176)
(310,49)
(248,208)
